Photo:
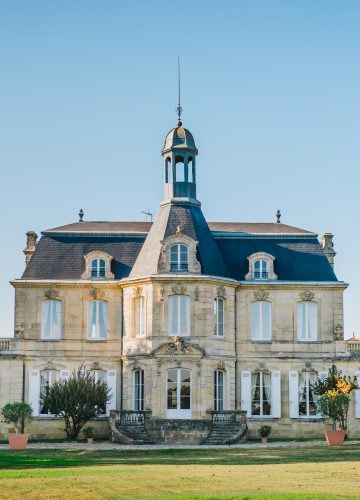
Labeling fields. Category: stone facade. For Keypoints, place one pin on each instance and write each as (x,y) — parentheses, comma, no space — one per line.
(145,345)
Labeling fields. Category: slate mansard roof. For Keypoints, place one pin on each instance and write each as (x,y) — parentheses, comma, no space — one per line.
(223,247)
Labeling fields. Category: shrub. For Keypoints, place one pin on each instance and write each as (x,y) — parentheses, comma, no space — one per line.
(16,412)
(264,431)
(88,432)
(77,400)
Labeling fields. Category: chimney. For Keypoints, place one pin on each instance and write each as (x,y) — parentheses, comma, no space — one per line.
(31,238)
(328,247)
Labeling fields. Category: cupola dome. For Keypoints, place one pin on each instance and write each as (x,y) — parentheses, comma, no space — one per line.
(179,138)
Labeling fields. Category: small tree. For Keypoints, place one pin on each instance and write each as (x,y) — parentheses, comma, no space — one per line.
(334,391)
(77,400)
(17,412)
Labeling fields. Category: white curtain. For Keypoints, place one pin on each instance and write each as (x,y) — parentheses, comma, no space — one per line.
(102,305)
(179,315)
(92,320)
(261,320)
(267,388)
(51,319)
(307,320)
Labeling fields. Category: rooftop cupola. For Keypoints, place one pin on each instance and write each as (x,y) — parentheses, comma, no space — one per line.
(179,154)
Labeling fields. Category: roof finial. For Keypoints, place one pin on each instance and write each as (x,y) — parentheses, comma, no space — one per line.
(278,215)
(179,108)
(81,215)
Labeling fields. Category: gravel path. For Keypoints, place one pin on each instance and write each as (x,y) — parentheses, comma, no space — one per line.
(107,445)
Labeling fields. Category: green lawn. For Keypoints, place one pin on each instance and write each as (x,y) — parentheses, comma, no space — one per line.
(277,473)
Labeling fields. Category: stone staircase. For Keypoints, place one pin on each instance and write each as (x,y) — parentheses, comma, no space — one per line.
(226,434)
(129,427)
(136,433)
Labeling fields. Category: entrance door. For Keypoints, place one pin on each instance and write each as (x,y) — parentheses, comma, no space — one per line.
(178,393)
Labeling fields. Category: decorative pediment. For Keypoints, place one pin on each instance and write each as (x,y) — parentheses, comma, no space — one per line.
(307,295)
(179,347)
(261,295)
(51,294)
(97,294)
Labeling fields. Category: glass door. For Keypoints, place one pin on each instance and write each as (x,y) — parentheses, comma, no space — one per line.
(178,393)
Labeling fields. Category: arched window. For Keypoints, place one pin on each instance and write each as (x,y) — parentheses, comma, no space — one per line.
(98,268)
(261,320)
(307,321)
(179,258)
(139,316)
(51,319)
(261,269)
(139,390)
(179,315)
(218,390)
(261,394)
(97,319)
(219,317)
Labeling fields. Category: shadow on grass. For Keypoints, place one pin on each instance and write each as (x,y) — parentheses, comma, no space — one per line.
(30,459)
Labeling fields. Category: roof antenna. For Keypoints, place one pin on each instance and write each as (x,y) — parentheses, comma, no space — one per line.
(149,215)
(81,215)
(278,215)
(179,108)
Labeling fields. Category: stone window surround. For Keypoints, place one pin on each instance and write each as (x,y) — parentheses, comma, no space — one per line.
(96,254)
(261,256)
(179,239)
(51,295)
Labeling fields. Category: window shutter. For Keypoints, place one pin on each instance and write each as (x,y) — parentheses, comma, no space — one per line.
(111,382)
(34,391)
(276,394)
(246,392)
(293,394)
(357,397)
(64,374)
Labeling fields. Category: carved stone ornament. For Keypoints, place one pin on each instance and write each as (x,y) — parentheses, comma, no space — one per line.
(221,366)
(95,366)
(49,366)
(308,365)
(162,291)
(197,294)
(261,295)
(178,289)
(51,294)
(19,330)
(137,291)
(179,346)
(307,295)
(339,332)
(221,292)
(179,229)
(97,294)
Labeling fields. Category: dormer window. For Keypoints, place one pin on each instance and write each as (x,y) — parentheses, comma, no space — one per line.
(179,258)
(261,267)
(98,268)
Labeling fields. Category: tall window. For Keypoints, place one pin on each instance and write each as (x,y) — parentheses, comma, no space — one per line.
(51,319)
(47,378)
(97,319)
(261,320)
(307,397)
(219,317)
(100,376)
(179,258)
(307,320)
(218,390)
(261,269)
(260,394)
(139,390)
(179,315)
(138,311)
(98,268)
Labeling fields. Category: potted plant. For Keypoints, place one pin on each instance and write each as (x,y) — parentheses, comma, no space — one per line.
(89,434)
(17,413)
(334,398)
(264,433)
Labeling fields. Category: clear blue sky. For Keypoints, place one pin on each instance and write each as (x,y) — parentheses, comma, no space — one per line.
(270,91)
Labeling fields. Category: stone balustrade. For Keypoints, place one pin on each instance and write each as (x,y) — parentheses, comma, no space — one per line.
(224,417)
(4,345)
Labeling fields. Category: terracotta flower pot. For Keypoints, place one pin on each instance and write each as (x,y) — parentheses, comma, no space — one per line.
(17,441)
(90,440)
(335,438)
(264,440)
